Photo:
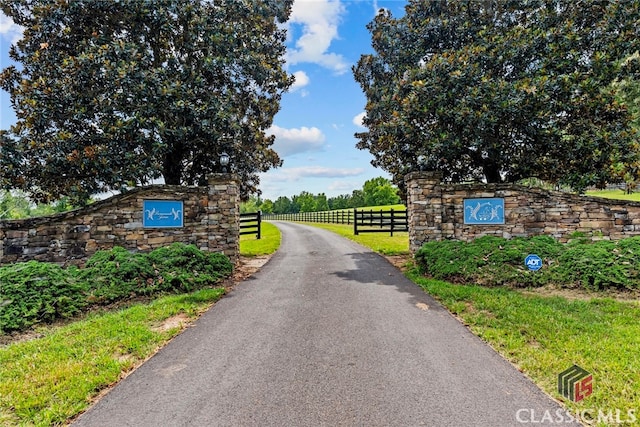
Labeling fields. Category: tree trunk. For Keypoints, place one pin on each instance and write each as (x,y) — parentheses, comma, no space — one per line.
(172,167)
(491,172)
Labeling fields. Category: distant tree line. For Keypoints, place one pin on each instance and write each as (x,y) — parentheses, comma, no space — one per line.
(16,205)
(375,192)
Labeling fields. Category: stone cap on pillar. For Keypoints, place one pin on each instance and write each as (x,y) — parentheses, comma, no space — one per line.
(429,175)
(216,178)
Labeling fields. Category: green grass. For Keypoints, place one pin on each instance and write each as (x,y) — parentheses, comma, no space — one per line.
(269,241)
(48,380)
(383,208)
(544,335)
(383,243)
(615,194)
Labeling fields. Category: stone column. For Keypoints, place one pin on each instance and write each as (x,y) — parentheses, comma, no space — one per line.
(224,214)
(424,207)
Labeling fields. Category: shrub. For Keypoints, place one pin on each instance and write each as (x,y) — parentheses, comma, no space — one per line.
(185,267)
(602,264)
(117,274)
(34,292)
(488,260)
(495,261)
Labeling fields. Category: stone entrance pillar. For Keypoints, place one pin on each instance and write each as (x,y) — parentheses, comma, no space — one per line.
(223,214)
(424,207)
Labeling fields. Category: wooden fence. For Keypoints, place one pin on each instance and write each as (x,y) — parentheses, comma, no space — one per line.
(380,221)
(364,221)
(330,217)
(250,223)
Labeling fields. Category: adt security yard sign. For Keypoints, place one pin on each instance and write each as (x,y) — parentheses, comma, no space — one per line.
(533,262)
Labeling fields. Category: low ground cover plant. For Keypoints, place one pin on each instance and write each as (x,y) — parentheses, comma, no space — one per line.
(36,292)
(495,261)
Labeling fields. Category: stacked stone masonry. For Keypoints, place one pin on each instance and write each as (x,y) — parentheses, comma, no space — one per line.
(436,212)
(210,222)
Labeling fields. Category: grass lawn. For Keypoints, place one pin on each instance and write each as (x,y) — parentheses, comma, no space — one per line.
(267,244)
(615,194)
(543,334)
(383,243)
(50,379)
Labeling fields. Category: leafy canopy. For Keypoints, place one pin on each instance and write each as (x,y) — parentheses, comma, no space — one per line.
(113,94)
(501,90)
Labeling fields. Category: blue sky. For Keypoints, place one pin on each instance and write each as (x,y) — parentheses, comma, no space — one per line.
(318,117)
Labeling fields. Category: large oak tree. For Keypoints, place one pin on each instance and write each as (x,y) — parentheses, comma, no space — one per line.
(501,90)
(111,94)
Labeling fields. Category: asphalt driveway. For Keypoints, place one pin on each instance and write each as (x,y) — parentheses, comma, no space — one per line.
(327,333)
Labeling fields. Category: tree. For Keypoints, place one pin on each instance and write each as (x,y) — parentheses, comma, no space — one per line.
(306,201)
(266,207)
(321,203)
(380,192)
(252,204)
(114,94)
(282,205)
(628,93)
(357,199)
(501,90)
(16,205)
(342,201)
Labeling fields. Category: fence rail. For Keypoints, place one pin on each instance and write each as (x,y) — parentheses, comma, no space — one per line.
(364,221)
(383,221)
(330,217)
(250,223)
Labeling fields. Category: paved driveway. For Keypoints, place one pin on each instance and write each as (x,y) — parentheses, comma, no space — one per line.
(327,333)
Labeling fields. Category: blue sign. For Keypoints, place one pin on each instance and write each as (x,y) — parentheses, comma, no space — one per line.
(533,262)
(484,211)
(162,213)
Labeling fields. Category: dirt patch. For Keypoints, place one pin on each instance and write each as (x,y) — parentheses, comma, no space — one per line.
(422,306)
(401,262)
(180,320)
(244,269)
(583,294)
(15,337)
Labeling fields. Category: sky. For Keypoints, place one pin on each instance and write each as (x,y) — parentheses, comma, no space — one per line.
(322,111)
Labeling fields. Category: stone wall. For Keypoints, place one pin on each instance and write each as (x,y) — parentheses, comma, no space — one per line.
(210,221)
(436,212)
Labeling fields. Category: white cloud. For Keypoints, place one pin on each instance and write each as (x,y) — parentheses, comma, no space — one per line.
(319,20)
(298,173)
(302,80)
(294,141)
(9,30)
(343,186)
(357,120)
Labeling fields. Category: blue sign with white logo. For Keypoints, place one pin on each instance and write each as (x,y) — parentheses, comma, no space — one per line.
(162,213)
(484,211)
(533,262)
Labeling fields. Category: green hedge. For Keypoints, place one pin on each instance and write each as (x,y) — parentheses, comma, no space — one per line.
(35,292)
(494,261)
